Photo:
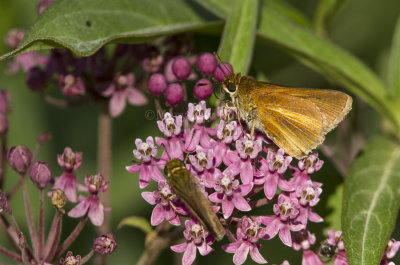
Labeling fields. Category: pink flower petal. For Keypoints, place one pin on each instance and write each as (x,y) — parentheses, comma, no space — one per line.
(148,196)
(192,140)
(246,172)
(256,255)
(313,217)
(180,248)
(310,258)
(270,185)
(145,176)
(214,197)
(284,235)
(117,103)
(205,249)
(96,211)
(133,168)
(246,188)
(241,254)
(135,97)
(80,209)
(158,215)
(274,227)
(232,247)
(227,208)
(156,174)
(240,203)
(189,255)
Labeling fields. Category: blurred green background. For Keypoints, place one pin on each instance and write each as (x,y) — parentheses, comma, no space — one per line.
(363,27)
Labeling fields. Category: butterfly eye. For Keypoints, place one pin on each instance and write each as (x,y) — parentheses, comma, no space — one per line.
(231,87)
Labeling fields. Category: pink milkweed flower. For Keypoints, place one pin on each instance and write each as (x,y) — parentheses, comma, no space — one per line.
(27,61)
(271,179)
(167,205)
(71,85)
(230,194)
(311,163)
(303,240)
(247,236)
(67,182)
(70,259)
(284,221)
(121,89)
(198,113)
(391,248)
(226,133)
(203,160)
(171,127)
(149,166)
(247,150)
(70,160)
(196,238)
(278,162)
(91,205)
(308,196)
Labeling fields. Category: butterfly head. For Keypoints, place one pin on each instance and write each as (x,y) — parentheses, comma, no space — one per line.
(173,166)
(231,83)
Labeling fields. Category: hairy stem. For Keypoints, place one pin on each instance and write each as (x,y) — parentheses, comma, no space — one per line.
(41,226)
(10,254)
(31,224)
(104,164)
(70,239)
(87,257)
(54,236)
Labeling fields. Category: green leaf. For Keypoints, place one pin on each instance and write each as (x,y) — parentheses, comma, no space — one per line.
(237,41)
(371,202)
(289,11)
(137,222)
(394,64)
(84,26)
(325,11)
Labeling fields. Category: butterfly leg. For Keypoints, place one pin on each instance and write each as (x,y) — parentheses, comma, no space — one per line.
(253,125)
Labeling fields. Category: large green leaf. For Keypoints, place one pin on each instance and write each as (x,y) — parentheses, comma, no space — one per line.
(394,64)
(237,41)
(325,11)
(84,26)
(371,201)
(321,55)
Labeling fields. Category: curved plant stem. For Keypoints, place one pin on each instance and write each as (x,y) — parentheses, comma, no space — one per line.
(54,236)
(87,257)
(41,226)
(70,239)
(10,254)
(31,224)
(104,164)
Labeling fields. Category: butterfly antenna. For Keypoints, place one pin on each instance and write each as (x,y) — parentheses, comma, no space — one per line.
(221,63)
(166,151)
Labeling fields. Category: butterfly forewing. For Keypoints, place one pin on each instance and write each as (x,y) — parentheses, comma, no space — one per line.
(189,192)
(296,119)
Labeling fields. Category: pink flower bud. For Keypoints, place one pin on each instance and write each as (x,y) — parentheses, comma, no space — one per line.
(105,244)
(157,84)
(174,93)
(181,68)
(207,63)
(19,158)
(40,174)
(203,89)
(224,69)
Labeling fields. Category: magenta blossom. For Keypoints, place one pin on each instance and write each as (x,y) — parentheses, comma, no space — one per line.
(284,221)
(198,113)
(70,259)
(196,237)
(71,85)
(242,163)
(91,205)
(308,196)
(70,160)
(170,126)
(149,166)
(311,163)
(247,236)
(121,89)
(167,205)
(226,133)
(230,194)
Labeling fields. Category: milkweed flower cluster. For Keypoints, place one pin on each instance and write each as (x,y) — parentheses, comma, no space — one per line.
(230,167)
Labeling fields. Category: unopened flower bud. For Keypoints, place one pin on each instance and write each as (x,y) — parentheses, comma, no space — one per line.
(105,244)
(70,259)
(157,84)
(58,199)
(181,68)
(19,158)
(4,206)
(207,63)
(174,94)
(203,89)
(224,69)
(40,174)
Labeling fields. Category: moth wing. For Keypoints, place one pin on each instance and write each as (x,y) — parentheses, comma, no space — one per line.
(334,105)
(293,123)
(189,192)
